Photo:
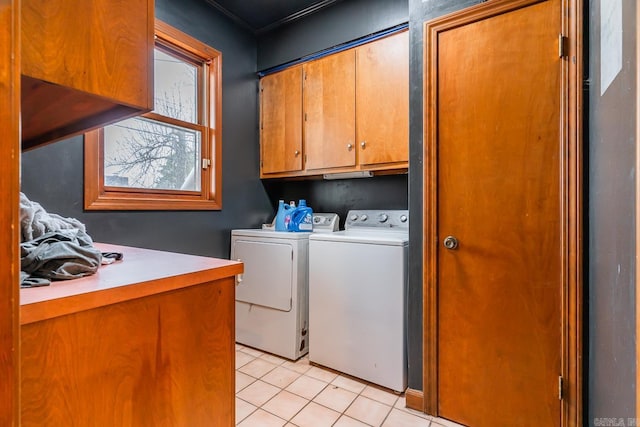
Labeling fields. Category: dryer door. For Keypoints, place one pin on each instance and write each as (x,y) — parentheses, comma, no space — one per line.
(268,277)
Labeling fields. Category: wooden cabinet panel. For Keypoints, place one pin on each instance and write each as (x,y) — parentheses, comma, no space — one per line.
(355,112)
(382,100)
(329,107)
(9,212)
(148,341)
(161,360)
(281,121)
(84,64)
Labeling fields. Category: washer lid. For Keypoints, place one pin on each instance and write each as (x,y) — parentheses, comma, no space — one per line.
(372,237)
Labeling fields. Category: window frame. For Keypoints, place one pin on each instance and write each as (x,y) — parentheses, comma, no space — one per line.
(97,196)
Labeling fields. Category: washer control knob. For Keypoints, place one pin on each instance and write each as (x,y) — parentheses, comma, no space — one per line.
(353,217)
(363,217)
(383,217)
(403,218)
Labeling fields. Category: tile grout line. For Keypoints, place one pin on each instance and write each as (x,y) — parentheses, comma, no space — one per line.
(365,384)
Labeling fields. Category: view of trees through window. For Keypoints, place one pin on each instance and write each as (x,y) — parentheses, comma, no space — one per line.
(161,151)
(169,158)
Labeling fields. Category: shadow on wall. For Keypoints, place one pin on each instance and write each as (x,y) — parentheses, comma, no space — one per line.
(339,196)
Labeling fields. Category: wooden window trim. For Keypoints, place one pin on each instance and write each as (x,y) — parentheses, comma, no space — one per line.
(97,196)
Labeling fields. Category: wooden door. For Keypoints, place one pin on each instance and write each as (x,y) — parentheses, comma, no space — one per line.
(9,218)
(281,121)
(329,110)
(382,100)
(498,186)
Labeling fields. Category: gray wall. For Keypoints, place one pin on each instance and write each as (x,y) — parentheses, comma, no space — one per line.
(52,175)
(611,225)
(342,22)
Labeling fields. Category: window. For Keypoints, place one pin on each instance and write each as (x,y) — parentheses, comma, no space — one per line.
(169,158)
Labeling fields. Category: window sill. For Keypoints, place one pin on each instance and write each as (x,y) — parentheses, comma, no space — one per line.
(118,203)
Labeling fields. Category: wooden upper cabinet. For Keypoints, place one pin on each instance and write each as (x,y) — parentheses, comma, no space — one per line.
(84,64)
(354,115)
(329,108)
(281,121)
(382,100)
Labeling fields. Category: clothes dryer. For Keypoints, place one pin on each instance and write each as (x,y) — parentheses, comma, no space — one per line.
(272,296)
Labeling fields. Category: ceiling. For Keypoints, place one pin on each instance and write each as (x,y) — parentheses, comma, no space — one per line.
(260,16)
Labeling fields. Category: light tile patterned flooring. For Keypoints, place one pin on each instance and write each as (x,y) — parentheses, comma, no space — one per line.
(272,391)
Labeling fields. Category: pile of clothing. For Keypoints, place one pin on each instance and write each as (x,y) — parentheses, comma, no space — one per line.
(53,247)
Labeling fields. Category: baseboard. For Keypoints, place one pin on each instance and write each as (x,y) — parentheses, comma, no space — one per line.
(414,399)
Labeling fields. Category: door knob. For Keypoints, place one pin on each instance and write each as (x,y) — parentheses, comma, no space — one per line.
(450,242)
(349,147)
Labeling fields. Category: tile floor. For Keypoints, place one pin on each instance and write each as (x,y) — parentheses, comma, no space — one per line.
(272,391)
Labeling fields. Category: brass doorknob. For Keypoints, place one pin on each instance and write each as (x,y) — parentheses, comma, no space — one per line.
(450,242)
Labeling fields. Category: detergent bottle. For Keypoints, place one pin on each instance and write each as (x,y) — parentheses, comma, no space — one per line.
(302,217)
(288,211)
(280,216)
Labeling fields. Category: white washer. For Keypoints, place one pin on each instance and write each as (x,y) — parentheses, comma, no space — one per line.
(357,288)
(272,299)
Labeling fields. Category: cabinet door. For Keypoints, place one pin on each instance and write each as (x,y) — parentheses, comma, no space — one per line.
(281,121)
(382,101)
(101,47)
(329,107)
(84,64)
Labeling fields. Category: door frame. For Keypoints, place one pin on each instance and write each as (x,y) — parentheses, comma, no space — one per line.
(572,199)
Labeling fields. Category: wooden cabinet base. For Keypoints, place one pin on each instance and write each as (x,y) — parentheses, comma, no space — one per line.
(161,360)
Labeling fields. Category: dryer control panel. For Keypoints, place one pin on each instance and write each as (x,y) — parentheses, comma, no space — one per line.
(325,222)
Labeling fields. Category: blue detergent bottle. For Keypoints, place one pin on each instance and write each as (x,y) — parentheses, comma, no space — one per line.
(288,212)
(280,216)
(302,217)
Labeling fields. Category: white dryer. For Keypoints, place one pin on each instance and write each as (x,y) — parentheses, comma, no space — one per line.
(272,296)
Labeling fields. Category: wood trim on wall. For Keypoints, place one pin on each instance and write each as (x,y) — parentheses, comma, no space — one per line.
(572,18)
(414,399)
(9,213)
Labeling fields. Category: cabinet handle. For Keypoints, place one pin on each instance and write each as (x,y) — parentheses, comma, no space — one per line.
(363,144)
(239,277)
(296,153)
(349,147)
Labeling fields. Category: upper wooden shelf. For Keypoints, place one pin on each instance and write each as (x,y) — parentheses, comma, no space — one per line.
(84,65)
(142,272)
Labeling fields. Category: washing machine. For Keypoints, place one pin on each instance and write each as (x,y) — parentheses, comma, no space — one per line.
(272,296)
(357,297)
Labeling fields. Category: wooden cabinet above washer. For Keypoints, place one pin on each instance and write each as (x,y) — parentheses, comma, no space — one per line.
(355,113)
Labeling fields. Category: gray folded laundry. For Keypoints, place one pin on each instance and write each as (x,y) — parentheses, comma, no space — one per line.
(35,221)
(60,255)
